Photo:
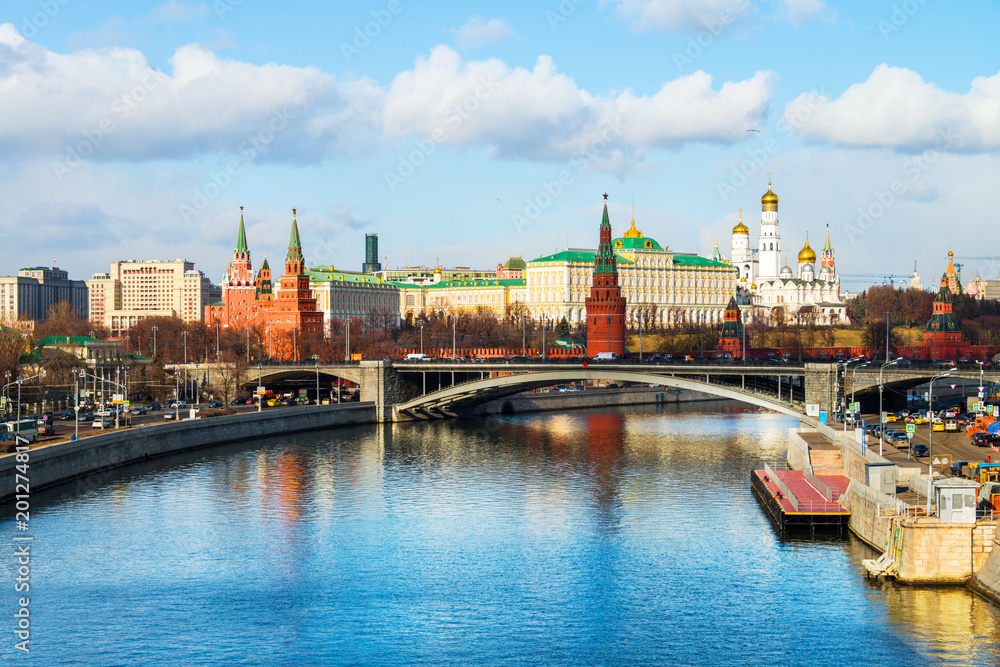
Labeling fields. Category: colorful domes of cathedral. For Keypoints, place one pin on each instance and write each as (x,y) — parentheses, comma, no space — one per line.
(807,255)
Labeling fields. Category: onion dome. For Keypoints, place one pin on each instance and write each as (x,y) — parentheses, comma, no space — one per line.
(769,202)
(437,267)
(807,255)
(786,272)
(740,228)
(753,287)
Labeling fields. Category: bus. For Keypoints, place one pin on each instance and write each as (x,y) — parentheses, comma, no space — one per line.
(26,429)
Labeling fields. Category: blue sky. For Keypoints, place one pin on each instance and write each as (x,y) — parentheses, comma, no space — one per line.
(474,131)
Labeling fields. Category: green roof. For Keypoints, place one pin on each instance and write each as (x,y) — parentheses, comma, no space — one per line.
(636,243)
(294,244)
(698,260)
(584,256)
(445,284)
(68,340)
(319,275)
(515,263)
(241,237)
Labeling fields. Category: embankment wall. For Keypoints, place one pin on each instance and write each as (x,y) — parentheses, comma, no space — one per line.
(54,464)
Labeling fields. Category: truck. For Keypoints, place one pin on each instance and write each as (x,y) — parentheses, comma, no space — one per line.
(417,356)
(605,356)
(985,472)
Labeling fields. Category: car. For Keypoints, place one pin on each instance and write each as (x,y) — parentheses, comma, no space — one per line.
(138,411)
(900,439)
(238,401)
(605,356)
(983,439)
(287,401)
(101,422)
(938,426)
(168,416)
(957,466)
(86,416)
(215,403)
(919,449)
(271,402)
(67,416)
(521,359)
(153,406)
(950,426)
(181,404)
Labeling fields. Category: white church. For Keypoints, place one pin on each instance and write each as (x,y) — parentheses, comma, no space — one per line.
(767,286)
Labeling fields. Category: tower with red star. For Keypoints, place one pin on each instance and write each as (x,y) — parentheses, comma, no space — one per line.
(605,305)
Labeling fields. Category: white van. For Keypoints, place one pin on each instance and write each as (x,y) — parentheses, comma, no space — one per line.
(605,356)
(416,357)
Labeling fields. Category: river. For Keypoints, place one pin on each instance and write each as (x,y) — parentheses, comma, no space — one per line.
(606,537)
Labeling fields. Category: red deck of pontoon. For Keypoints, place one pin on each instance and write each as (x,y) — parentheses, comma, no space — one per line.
(794,498)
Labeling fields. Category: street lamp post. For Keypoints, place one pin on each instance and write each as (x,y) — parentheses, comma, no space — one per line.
(881,415)
(640,336)
(347,343)
(854,376)
(317,383)
(930,436)
(217,341)
(259,395)
(454,329)
(982,388)
(421,336)
(154,340)
(185,335)
(544,322)
(887,357)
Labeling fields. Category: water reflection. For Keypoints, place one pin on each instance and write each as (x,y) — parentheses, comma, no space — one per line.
(592,537)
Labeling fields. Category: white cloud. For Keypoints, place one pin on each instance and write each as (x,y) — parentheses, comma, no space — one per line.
(682,14)
(801,11)
(477,32)
(542,114)
(896,108)
(111,104)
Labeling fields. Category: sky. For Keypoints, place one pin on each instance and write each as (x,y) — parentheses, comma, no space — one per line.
(469,132)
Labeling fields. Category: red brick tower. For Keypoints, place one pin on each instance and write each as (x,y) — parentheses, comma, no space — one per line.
(291,316)
(605,305)
(731,337)
(238,308)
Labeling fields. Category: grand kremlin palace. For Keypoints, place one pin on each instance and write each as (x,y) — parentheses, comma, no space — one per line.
(661,286)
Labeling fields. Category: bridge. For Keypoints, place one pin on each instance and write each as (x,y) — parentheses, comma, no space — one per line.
(427,390)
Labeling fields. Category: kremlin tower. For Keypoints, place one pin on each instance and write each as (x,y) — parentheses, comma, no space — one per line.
(605,305)
(742,253)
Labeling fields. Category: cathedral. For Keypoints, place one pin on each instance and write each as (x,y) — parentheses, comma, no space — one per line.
(777,292)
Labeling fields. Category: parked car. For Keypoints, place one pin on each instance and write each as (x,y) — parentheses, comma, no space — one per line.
(983,439)
(919,449)
(238,401)
(101,422)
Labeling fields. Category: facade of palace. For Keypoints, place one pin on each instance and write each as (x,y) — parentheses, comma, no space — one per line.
(778,291)
(660,286)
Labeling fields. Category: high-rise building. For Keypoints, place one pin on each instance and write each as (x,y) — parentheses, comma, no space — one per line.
(134,290)
(371,264)
(605,305)
(30,294)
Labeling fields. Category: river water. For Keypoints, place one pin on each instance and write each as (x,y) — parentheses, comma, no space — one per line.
(594,537)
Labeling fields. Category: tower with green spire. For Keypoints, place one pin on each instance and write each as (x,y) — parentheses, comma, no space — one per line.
(239,288)
(605,305)
(294,261)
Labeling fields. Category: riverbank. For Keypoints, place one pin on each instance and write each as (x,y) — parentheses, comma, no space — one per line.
(62,462)
(914,548)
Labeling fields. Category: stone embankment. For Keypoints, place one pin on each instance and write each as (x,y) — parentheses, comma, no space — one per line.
(62,462)
(916,548)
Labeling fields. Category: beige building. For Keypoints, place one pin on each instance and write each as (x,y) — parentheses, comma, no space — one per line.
(30,294)
(132,291)
(446,296)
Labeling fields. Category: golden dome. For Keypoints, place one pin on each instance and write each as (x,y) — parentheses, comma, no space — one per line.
(632,232)
(740,228)
(769,202)
(807,255)
(753,287)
